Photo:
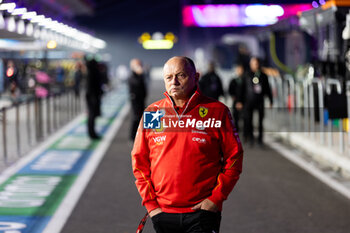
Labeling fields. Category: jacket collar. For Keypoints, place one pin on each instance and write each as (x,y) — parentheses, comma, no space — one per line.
(191,103)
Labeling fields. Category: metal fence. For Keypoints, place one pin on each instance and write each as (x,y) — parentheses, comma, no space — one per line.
(297,103)
(25,124)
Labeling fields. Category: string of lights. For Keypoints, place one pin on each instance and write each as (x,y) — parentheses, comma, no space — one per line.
(39,27)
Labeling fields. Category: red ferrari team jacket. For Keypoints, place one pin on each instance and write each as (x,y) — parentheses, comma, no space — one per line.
(181,159)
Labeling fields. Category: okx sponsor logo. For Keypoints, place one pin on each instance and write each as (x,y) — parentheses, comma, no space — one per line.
(152,120)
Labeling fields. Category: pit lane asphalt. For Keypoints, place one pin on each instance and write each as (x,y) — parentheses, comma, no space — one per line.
(272,196)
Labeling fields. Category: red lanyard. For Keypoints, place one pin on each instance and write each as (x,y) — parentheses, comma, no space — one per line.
(142,223)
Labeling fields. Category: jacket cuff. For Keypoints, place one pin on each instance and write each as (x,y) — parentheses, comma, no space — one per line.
(217,200)
(151,205)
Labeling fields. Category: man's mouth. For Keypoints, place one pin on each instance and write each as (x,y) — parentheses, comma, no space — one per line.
(175,89)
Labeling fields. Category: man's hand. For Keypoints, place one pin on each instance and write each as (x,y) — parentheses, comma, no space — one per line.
(155,212)
(206,204)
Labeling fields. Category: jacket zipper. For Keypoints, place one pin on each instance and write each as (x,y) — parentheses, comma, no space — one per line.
(173,105)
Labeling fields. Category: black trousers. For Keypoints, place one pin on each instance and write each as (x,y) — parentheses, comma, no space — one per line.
(137,112)
(94,110)
(248,122)
(201,221)
(236,114)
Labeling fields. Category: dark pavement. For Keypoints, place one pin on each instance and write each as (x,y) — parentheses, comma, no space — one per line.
(272,196)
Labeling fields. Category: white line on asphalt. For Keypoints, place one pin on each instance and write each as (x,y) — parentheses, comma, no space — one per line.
(66,207)
(10,171)
(291,156)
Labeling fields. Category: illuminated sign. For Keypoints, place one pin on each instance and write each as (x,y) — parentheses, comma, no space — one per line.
(157,40)
(232,15)
(158,44)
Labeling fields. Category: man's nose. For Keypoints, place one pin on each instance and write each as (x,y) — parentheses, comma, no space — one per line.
(175,81)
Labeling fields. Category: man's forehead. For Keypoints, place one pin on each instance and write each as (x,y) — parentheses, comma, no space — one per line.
(175,65)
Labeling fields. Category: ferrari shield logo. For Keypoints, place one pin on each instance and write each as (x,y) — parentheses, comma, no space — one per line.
(203,111)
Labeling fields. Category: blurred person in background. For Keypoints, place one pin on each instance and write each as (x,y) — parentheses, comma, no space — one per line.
(210,84)
(14,91)
(78,77)
(104,76)
(60,76)
(93,96)
(235,89)
(243,56)
(138,93)
(255,87)
(12,80)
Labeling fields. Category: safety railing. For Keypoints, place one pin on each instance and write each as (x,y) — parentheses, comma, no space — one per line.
(295,106)
(320,109)
(288,93)
(24,124)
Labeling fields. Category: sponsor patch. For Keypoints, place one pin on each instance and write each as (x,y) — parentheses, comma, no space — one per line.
(152,120)
(203,111)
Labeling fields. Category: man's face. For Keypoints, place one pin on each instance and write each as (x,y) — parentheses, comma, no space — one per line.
(179,78)
(136,66)
(254,64)
(239,70)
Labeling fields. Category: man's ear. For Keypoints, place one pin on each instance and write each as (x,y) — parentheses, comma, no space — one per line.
(196,76)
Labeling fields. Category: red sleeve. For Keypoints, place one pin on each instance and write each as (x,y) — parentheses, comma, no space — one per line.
(232,160)
(142,170)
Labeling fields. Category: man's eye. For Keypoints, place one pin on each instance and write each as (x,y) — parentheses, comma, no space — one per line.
(168,78)
(181,75)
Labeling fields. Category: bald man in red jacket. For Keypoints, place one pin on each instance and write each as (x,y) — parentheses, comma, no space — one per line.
(187,156)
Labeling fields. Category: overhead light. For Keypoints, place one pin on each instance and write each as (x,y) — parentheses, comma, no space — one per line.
(145,36)
(19,11)
(56,26)
(44,28)
(29,15)
(52,25)
(260,11)
(29,29)
(72,32)
(170,36)
(8,6)
(2,21)
(37,32)
(85,46)
(43,34)
(98,43)
(21,28)
(37,19)
(62,28)
(44,22)
(10,24)
(83,36)
(157,36)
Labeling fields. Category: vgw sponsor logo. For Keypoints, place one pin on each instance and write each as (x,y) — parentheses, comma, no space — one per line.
(159,140)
